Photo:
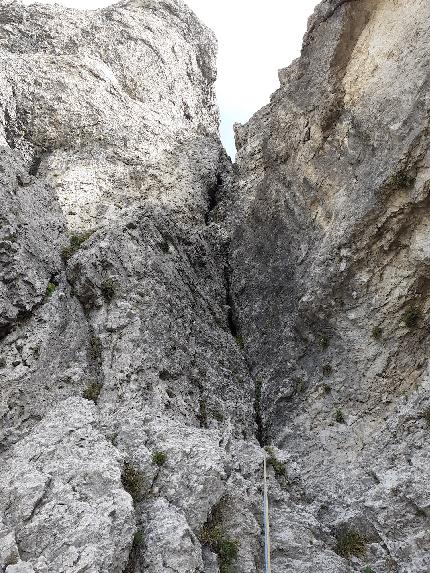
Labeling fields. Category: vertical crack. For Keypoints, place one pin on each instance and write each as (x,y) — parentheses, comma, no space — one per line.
(231,315)
(212,199)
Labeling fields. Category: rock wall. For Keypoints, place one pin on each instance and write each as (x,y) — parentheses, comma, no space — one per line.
(164,316)
(330,280)
(126,402)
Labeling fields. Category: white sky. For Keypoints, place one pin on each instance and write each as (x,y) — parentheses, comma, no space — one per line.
(255,39)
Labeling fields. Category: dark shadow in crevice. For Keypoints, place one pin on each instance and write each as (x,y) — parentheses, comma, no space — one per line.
(213,199)
(231,317)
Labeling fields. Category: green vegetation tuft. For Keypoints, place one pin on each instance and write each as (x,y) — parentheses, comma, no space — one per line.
(138,538)
(219,542)
(324,341)
(239,341)
(164,246)
(299,386)
(327,369)
(350,542)
(368,570)
(50,289)
(11,560)
(2,362)
(76,242)
(278,467)
(95,348)
(132,480)
(339,417)
(92,391)
(159,458)
(426,416)
(377,333)
(411,317)
(202,415)
(401,180)
(108,288)
(217,415)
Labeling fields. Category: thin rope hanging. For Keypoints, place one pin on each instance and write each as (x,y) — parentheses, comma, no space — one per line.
(266,521)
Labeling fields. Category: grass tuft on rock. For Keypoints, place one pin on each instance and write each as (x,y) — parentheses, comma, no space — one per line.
(159,458)
(138,538)
(377,333)
(219,542)
(50,289)
(76,241)
(278,467)
(95,348)
(108,289)
(133,481)
(411,317)
(239,341)
(12,559)
(401,180)
(92,391)
(350,542)
(214,535)
(339,417)
(327,369)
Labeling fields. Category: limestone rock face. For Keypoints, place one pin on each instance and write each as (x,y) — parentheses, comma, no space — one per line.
(165,316)
(126,402)
(330,280)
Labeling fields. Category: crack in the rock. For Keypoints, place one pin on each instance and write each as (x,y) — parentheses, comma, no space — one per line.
(213,198)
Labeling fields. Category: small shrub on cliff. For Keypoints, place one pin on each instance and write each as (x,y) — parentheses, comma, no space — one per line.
(2,362)
(411,317)
(214,536)
(132,480)
(377,333)
(350,542)
(138,538)
(278,467)
(92,391)
(401,180)
(108,288)
(327,369)
(299,386)
(202,415)
(219,542)
(239,341)
(339,417)
(159,458)
(50,289)
(95,347)
(11,560)
(76,242)
(324,341)
(164,246)
(368,570)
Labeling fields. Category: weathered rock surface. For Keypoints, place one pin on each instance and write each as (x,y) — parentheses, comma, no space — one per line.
(163,315)
(330,280)
(115,291)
